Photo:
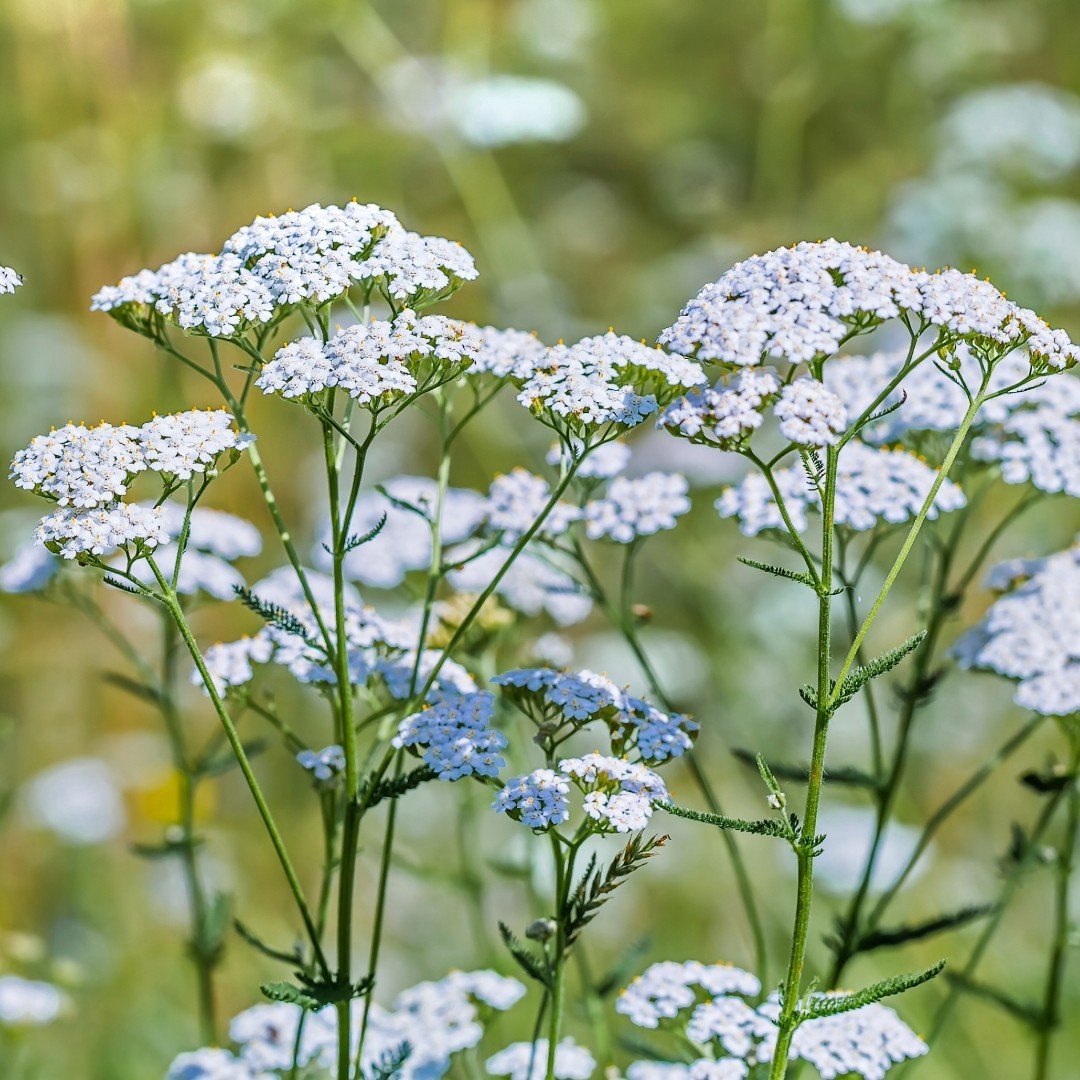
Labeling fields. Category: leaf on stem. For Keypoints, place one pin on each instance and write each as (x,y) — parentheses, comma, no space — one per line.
(858,677)
(395,787)
(534,966)
(292,957)
(354,541)
(778,571)
(273,614)
(819,1005)
(596,886)
(389,1065)
(891,937)
(764,827)
(314,993)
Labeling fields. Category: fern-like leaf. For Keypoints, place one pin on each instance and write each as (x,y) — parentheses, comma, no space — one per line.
(764,827)
(395,787)
(273,614)
(889,938)
(533,966)
(596,886)
(818,1005)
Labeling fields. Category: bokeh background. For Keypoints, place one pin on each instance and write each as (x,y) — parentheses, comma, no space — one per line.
(602,159)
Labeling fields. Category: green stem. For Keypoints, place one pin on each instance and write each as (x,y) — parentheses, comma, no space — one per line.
(1063,870)
(204,953)
(909,541)
(804,848)
(233,736)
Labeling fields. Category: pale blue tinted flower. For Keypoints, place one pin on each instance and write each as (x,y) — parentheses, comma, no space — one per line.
(638,506)
(454,736)
(572,1062)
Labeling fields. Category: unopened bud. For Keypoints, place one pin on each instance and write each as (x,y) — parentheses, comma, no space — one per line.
(541,930)
(777,800)
(642,613)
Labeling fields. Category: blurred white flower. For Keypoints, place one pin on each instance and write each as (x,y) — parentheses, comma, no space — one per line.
(79,800)
(850,832)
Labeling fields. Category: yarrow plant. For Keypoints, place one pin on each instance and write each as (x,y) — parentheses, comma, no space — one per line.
(849,454)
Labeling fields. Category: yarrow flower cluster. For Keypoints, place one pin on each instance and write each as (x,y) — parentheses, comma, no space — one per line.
(723,415)
(310,256)
(637,506)
(507,353)
(528,1061)
(454,736)
(326,765)
(376,362)
(803,302)
(619,794)
(1038,443)
(516,502)
(872,486)
(810,415)
(9,280)
(711,1006)
(1031,634)
(604,380)
(433,1020)
(86,471)
(551,697)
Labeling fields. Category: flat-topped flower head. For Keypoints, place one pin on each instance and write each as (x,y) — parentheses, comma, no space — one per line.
(810,415)
(1031,634)
(930,397)
(667,988)
(528,1061)
(545,694)
(213,1063)
(872,486)
(619,794)
(516,501)
(326,766)
(199,572)
(507,353)
(415,270)
(638,506)
(374,363)
(602,463)
(99,531)
(702,1069)
(865,1042)
(1038,442)
(652,733)
(311,255)
(605,380)
(802,303)
(29,570)
(533,584)
(404,541)
(724,415)
(214,531)
(539,800)
(9,280)
(793,304)
(455,737)
(81,466)
(181,445)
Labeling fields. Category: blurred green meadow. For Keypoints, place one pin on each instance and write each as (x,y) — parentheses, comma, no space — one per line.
(654,144)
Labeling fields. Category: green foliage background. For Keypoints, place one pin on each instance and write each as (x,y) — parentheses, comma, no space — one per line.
(135,129)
